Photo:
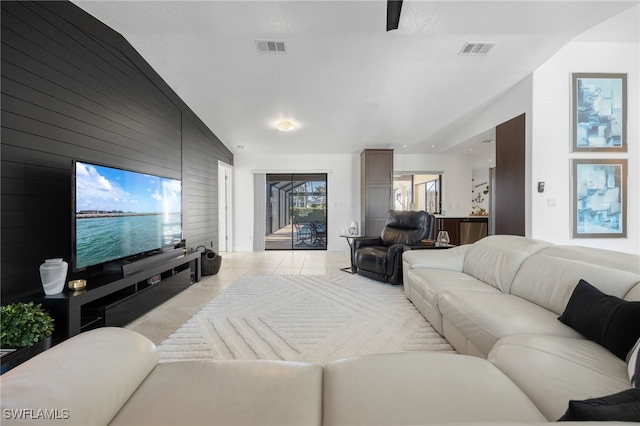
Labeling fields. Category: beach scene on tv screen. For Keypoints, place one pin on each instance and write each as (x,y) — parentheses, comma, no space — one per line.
(120,213)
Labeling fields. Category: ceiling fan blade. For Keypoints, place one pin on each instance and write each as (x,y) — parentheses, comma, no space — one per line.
(393,14)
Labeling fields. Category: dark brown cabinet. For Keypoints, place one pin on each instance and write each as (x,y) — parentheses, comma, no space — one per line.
(509,209)
(376,169)
(463,230)
(452,226)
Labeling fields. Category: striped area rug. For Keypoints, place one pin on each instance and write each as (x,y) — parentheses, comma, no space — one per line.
(303,318)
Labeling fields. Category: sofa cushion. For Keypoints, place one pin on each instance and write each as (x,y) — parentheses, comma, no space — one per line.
(634,293)
(615,260)
(603,318)
(372,259)
(497,258)
(622,407)
(429,283)
(237,392)
(425,285)
(484,317)
(421,388)
(633,365)
(90,375)
(553,370)
(404,227)
(451,259)
(548,277)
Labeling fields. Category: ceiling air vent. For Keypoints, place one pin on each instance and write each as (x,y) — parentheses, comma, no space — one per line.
(476,48)
(269,46)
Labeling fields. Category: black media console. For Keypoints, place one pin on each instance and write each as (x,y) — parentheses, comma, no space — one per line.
(116,300)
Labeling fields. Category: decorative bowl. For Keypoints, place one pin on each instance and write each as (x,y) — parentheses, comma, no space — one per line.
(77,284)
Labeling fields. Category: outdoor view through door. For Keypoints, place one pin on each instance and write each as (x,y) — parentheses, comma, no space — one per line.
(296,212)
(418,192)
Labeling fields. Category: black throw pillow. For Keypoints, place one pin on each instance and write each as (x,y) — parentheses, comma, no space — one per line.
(622,407)
(633,365)
(605,319)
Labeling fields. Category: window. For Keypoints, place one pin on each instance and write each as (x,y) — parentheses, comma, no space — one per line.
(418,192)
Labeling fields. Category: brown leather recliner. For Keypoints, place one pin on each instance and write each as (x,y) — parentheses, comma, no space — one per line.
(380,258)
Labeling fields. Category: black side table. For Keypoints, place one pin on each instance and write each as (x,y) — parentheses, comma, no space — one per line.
(350,239)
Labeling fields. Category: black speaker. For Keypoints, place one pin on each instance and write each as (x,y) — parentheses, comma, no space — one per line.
(130,268)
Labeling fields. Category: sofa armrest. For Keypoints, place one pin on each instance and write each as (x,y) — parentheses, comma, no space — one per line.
(85,379)
(450,259)
(360,242)
(366,242)
(394,264)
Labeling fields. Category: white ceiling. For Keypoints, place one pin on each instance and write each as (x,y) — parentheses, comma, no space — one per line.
(346,82)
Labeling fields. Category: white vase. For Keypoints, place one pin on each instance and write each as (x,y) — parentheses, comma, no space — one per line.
(53,273)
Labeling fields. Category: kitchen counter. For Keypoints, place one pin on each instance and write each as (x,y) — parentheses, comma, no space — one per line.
(439,216)
(463,229)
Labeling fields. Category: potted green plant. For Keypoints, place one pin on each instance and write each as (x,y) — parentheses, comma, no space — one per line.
(25,331)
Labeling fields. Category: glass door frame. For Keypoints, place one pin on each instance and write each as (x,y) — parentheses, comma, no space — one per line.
(296,219)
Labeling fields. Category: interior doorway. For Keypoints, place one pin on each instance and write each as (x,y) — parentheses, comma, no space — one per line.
(418,191)
(225,176)
(296,212)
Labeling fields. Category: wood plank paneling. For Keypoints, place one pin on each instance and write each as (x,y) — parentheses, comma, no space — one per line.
(72,88)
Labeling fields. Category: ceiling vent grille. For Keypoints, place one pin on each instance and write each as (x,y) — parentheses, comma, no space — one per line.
(475,48)
(270,46)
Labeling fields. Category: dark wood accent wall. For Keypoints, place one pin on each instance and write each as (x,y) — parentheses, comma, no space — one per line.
(72,88)
(509,209)
(200,183)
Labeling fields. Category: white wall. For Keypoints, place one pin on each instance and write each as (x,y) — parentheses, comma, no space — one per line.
(456,178)
(503,107)
(551,133)
(480,183)
(343,186)
(343,191)
(544,97)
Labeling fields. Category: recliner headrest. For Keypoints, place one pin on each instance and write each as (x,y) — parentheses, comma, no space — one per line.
(401,219)
(404,227)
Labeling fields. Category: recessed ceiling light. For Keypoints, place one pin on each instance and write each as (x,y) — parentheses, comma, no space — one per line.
(285,125)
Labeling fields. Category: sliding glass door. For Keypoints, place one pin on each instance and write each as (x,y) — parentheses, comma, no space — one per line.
(296,212)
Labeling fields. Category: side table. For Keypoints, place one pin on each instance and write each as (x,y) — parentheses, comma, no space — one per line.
(349,238)
(435,246)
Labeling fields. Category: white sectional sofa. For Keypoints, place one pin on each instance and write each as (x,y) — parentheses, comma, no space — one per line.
(501,298)
(534,367)
(111,376)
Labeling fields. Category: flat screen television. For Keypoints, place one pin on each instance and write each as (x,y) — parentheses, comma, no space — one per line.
(120,214)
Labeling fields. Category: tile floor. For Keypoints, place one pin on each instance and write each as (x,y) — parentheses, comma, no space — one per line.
(159,323)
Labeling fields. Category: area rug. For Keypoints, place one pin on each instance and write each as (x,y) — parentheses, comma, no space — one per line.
(303,318)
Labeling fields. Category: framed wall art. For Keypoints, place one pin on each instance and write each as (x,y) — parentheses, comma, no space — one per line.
(599,194)
(599,110)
